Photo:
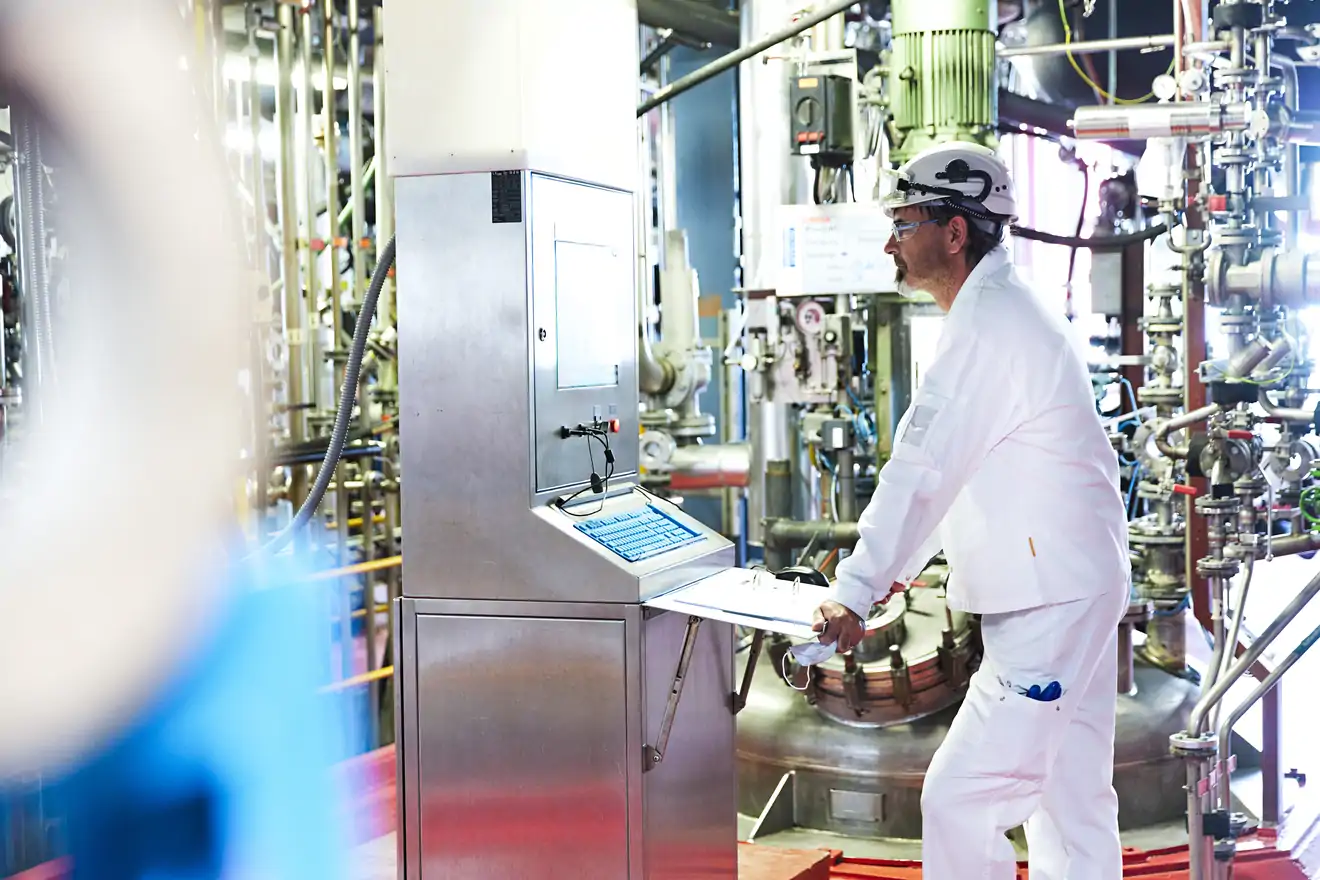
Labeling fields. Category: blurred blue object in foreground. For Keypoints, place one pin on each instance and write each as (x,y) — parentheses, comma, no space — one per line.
(229,771)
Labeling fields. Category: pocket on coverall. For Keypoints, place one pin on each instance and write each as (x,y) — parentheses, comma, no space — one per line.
(1018,736)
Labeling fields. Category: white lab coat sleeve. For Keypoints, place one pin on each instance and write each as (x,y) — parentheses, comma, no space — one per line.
(917,564)
(961,412)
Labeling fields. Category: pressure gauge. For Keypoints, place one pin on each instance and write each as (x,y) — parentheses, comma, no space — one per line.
(810,317)
(1165,87)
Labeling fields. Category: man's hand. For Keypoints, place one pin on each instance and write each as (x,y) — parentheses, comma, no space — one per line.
(835,623)
(839,625)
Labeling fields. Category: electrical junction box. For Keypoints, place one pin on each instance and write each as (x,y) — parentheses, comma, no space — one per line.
(821,119)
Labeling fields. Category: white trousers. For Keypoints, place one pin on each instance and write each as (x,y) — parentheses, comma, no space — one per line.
(1009,759)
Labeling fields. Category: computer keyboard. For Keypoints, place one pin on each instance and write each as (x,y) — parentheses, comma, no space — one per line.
(638,534)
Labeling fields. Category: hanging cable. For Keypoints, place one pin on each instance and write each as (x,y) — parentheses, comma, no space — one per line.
(1095,242)
(347,399)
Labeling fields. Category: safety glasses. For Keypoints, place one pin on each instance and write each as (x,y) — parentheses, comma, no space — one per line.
(905,229)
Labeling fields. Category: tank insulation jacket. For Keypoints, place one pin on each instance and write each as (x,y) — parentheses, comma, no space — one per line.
(1144,121)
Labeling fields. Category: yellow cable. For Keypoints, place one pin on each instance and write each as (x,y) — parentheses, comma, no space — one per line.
(1067,40)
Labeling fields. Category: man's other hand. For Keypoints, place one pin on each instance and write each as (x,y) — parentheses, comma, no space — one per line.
(839,625)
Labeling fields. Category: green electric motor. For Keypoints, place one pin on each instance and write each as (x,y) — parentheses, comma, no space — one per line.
(942,84)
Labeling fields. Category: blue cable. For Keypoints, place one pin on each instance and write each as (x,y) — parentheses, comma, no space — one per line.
(1132,489)
(1132,395)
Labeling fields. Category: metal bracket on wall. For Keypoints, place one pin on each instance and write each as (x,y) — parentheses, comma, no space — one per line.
(653,755)
(753,655)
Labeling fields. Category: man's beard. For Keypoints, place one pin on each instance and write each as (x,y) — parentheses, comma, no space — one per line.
(901,276)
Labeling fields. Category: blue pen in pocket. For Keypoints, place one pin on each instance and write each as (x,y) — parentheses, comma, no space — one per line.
(1047,694)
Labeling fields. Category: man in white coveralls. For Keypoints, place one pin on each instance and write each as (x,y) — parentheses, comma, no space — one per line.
(1002,462)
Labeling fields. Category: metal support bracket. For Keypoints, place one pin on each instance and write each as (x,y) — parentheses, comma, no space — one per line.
(753,656)
(653,755)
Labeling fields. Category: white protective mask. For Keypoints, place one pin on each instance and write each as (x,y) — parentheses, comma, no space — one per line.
(807,654)
(811,653)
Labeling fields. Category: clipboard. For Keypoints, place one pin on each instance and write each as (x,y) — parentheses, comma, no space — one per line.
(753,598)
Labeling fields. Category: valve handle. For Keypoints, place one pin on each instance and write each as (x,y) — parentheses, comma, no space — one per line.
(1238,434)
(1181,489)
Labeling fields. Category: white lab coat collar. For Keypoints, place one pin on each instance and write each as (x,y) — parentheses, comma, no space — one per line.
(991,265)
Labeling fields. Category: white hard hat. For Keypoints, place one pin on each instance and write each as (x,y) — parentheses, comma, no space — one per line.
(965,176)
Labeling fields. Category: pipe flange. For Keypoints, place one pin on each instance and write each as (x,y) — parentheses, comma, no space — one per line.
(1154,395)
(1161,325)
(697,426)
(1185,745)
(655,451)
(1302,455)
(1227,567)
(1207,505)
(1151,540)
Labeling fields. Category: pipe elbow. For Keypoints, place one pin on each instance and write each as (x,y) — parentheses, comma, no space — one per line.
(655,375)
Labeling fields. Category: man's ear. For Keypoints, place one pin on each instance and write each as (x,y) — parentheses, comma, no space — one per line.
(959,234)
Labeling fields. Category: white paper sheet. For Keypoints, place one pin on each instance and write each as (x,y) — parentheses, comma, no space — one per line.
(749,597)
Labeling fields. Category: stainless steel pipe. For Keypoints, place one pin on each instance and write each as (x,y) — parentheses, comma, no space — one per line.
(1226,728)
(294,329)
(1142,121)
(1087,47)
(717,466)
(783,533)
(1196,722)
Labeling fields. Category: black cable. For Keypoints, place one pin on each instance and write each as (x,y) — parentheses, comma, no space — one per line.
(602,437)
(1081,219)
(1095,242)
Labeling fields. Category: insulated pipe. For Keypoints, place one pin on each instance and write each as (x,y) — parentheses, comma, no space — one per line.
(733,59)
(709,467)
(1143,121)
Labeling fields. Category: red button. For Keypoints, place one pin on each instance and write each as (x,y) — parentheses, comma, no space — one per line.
(614,426)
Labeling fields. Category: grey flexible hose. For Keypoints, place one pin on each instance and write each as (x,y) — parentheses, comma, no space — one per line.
(347,397)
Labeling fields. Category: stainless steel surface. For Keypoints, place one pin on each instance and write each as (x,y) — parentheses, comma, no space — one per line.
(705,467)
(690,799)
(580,281)
(779,732)
(523,737)
(468,296)
(1159,120)
(523,727)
